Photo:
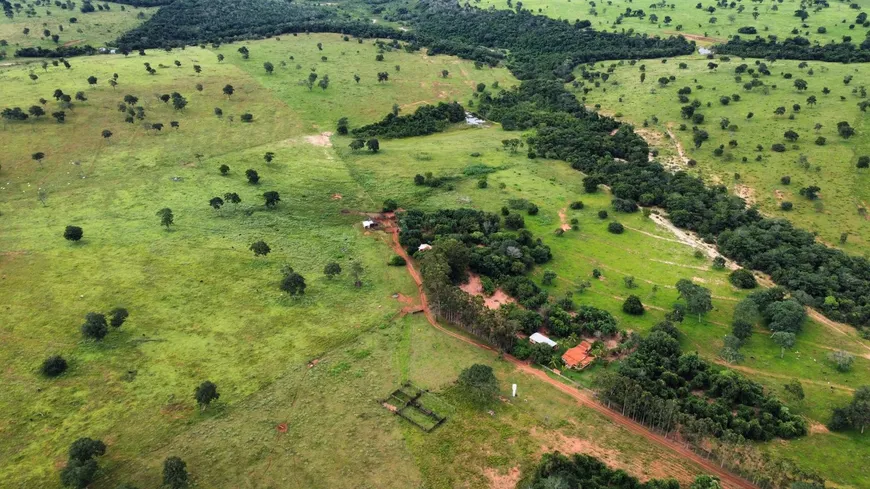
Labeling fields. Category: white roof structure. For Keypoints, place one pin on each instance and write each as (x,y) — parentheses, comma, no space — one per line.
(539,338)
(424,247)
(368,224)
(704,51)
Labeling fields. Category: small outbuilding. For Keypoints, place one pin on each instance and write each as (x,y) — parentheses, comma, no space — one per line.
(424,247)
(369,224)
(539,338)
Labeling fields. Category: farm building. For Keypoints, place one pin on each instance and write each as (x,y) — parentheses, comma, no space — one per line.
(424,247)
(578,357)
(539,338)
(369,224)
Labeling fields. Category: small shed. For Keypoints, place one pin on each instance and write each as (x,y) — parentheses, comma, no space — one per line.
(578,357)
(424,247)
(539,338)
(369,224)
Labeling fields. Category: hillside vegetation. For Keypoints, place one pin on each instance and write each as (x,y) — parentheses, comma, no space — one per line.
(195,298)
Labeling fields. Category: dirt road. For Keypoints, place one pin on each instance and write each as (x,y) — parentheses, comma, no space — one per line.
(583,398)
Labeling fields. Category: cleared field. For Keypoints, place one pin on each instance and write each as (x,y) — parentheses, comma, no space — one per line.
(686,19)
(845,189)
(94,28)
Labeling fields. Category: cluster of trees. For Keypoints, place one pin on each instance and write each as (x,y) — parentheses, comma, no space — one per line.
(584,471)
(667,389)
(425,120)
(856,415)
(475,241)
(81,466)
(818,276)
(783,316)
(797,48)
(466,239)
(58,52)
(96,327)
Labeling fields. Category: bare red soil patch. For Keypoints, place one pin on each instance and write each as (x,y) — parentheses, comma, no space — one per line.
(474,287)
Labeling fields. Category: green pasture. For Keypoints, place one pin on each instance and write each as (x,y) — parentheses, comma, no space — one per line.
(417,81)
(202,307)
(94,28)
(845,188)
(774,18)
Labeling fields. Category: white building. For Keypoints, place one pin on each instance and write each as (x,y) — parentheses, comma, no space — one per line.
(539,338)
(424,247)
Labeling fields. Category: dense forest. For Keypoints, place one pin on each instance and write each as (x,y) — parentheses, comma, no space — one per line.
(427,119)
(665,388)
(186,22)
(797,48)
(539,46)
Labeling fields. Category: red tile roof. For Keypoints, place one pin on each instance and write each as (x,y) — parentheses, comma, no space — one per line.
(579,355)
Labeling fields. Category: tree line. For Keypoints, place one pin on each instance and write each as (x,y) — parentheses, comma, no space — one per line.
(427,119)
(797,48)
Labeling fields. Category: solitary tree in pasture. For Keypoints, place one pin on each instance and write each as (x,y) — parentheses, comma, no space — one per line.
(73,233)
(95,326)
(216,203)
(272,198)
(175,472)
(698,299)
(293,283)
(166,217)
(118,316)
(331,269)
(205,393)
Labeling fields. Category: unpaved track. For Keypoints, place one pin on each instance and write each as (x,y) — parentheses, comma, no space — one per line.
(729,480)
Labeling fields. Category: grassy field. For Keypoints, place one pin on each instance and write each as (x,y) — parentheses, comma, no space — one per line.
(203,307)
(650,254)
(845,188)
(415,80)
(774,18)
(95,28)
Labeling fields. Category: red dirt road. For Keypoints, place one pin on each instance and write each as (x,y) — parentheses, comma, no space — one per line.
(728,479)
